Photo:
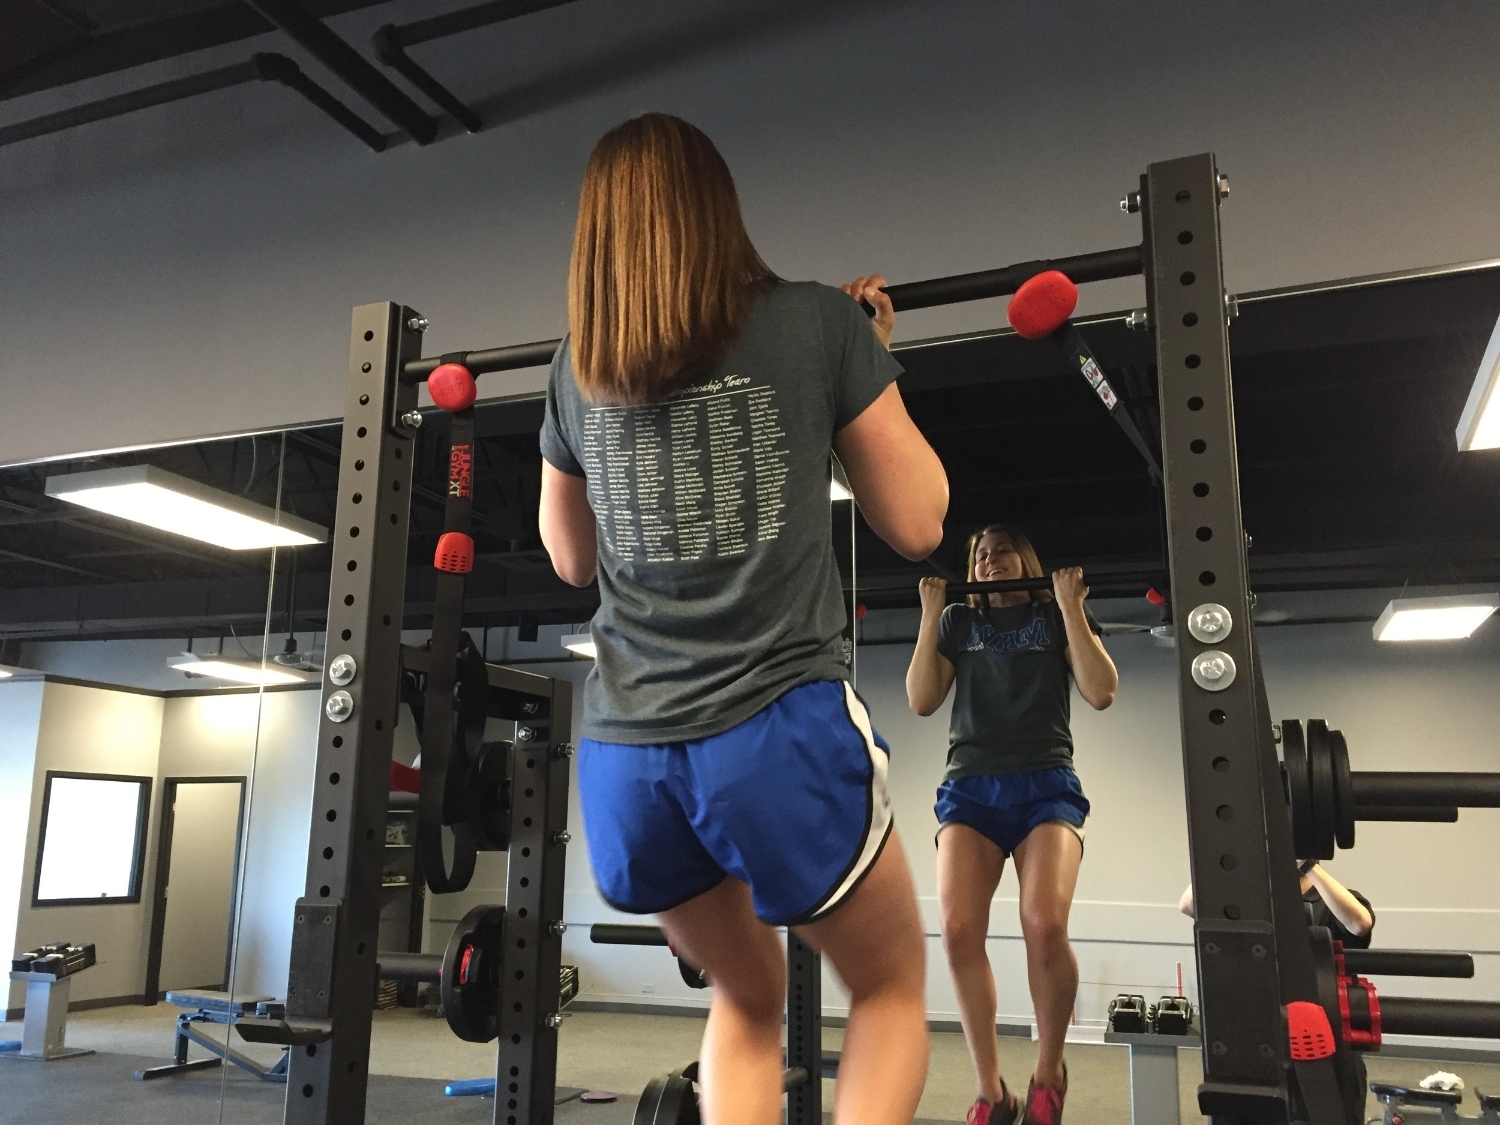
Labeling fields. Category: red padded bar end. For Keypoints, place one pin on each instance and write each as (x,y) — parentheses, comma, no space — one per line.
(1042,305)
(455,553)
(452,387)
(1309,1033)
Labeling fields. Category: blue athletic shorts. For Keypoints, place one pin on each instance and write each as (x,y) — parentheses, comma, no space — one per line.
(1004,808)
(793,801)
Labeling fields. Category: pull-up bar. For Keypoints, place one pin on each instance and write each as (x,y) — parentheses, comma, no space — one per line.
(1103,265)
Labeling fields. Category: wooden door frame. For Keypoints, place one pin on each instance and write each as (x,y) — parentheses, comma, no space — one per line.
(163,872)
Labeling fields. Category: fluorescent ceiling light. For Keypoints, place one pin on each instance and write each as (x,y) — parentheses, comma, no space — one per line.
(168,502)
(1435,619)
(238,671)
(1479,424)
(4,675)
(582,644)
(838,483)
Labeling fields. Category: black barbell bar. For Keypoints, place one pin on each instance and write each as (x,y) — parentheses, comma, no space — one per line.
(419,967)
(609,933)
(1409,963)
(1101,265)
(1409,814)
(1417,1015)
(1444,790)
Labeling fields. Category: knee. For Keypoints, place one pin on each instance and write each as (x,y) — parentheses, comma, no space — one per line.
(1044,929)
(760,1001)
(964,937)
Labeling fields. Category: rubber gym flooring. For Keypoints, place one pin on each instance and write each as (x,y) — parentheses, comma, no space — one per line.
(412,1054)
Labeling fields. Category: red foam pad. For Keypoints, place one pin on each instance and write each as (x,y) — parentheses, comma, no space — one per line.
(405,779)
(1155,596)
(1309,1033)
(452,387)
(455,553)
(1042,304)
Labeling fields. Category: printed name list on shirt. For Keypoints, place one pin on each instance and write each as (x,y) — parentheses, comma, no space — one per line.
(701,476)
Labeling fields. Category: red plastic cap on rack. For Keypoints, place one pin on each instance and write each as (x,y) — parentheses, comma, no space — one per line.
(860,609)
(1309,1033)
(1155,596)
(1042,304)
(405,779)
(452,387)
(455,553)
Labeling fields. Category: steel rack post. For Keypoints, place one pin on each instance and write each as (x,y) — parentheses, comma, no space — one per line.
(804,1030)
(1248,965)
(526,1063)
(334,938)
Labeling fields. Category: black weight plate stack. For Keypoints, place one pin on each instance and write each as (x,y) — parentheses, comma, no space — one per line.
(1298,786)
(1343,791)
(668,1100)
(491,797)
(471,975)
(1320,773)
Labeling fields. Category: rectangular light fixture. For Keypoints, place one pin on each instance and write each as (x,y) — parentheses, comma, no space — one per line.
(168,502)
(4,675)
(237,671)
(1435,619)
(1479,424)
(582,644)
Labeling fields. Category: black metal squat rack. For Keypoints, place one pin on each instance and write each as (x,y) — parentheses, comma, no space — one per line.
(1259,976)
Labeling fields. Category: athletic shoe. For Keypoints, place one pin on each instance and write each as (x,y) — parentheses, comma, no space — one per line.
(1044,1104)
(1007,1111)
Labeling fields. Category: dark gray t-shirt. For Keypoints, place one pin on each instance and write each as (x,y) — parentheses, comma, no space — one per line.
(718,588)
(1012,688)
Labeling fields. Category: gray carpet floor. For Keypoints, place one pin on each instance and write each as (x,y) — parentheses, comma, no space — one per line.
(412,1054)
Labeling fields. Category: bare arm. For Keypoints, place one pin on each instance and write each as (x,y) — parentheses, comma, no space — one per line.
(567,525)
(1185,903)
(1350,912)
(896,478)
(930,674)
(1093,670)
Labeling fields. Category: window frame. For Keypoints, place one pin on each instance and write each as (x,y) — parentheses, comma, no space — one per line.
(137,862)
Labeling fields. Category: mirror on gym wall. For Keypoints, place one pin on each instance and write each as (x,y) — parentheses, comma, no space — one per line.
(137,668)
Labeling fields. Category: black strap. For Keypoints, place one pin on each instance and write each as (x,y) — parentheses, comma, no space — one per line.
(1069,340)
(452,726)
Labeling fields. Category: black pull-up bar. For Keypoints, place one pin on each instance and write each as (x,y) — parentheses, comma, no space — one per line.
(1100,266)
(1145,579)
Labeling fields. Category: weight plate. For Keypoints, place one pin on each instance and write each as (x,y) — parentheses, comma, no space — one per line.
(679,1103)
(470,981)
(650,1104)
(1343,791)
(492,780)
(1298,786)
(1320,773)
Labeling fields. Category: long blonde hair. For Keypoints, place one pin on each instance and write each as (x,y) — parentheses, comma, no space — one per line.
(663,272)
(1031,565)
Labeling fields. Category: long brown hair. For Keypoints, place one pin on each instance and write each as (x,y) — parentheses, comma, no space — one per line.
(1031,565)
(663,273)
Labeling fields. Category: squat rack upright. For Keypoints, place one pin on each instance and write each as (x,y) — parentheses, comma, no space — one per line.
(1254,957)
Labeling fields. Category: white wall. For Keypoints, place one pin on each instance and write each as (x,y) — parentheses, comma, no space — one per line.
(20,719)
(190,269)
(95,730)
(270,738)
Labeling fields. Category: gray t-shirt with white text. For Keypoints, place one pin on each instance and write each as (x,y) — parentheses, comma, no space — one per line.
(718,587)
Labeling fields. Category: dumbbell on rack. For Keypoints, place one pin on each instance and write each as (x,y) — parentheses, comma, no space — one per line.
(1327,798)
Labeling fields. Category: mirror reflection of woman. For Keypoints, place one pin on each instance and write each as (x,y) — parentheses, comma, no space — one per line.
(1010,790)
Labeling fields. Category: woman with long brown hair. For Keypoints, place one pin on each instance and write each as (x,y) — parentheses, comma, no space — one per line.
(730,779)
(1010,790)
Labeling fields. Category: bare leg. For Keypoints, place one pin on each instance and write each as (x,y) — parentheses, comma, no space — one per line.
(876,944)
(1047,863)
(740,1063)
(969,867)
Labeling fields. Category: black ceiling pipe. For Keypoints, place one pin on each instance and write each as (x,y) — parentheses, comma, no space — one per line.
(361,76)
(259,68)
(391,41)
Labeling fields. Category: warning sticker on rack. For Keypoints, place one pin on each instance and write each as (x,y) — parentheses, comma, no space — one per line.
(1097,380)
